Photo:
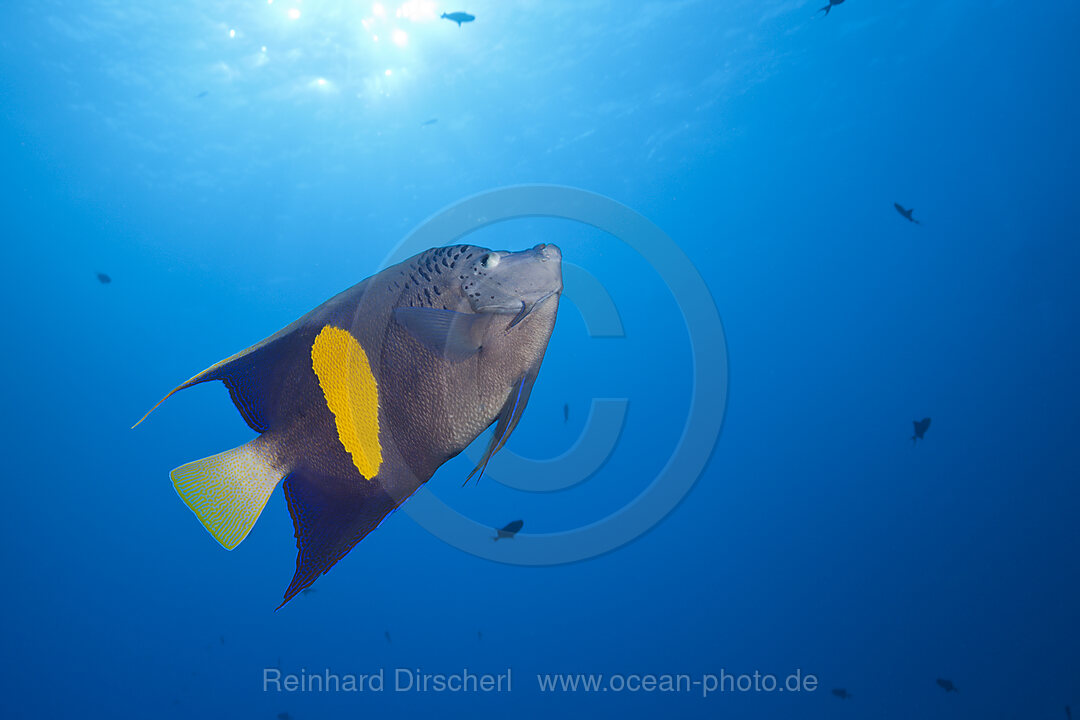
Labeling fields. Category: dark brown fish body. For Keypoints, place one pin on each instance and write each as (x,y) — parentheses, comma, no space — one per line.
(360,401)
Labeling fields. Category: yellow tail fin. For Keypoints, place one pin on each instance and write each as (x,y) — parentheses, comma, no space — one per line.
(228,491)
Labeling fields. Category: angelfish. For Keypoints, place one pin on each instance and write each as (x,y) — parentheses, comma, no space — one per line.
(360,401)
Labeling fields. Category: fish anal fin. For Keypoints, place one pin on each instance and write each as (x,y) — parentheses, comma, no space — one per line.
(329,517)
(228,491)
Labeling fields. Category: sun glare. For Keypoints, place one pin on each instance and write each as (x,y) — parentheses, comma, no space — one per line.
(389,20)
(417,10)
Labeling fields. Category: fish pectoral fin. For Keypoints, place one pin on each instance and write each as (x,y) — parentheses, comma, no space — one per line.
(329,516)
(508,419)
(228,491)
(451,335)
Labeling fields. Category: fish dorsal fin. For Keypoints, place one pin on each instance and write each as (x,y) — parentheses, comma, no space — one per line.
(451,335)
(252,377)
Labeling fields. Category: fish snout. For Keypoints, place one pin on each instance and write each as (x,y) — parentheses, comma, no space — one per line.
(506,282)
(546,252)
(547,269)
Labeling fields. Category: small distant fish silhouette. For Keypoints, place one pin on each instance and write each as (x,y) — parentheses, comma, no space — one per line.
(841,692)
(906,213)
(104,279)
(307,591)
(946,685)
(387,634)
(203,94)
(464,17)
(921,426)
(566,412)
(430,121)
(284,716)
(1068,712)
(509,531)
(826,9)
(222,638)
(479,635)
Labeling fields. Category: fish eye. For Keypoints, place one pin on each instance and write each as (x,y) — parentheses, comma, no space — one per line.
(489,261)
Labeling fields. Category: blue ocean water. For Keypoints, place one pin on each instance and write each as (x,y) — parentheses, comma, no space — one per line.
(231,165)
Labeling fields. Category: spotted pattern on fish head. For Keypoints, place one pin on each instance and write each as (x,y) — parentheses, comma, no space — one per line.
(434,278)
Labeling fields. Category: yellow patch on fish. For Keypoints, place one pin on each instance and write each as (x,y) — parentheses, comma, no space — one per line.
(352,394)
